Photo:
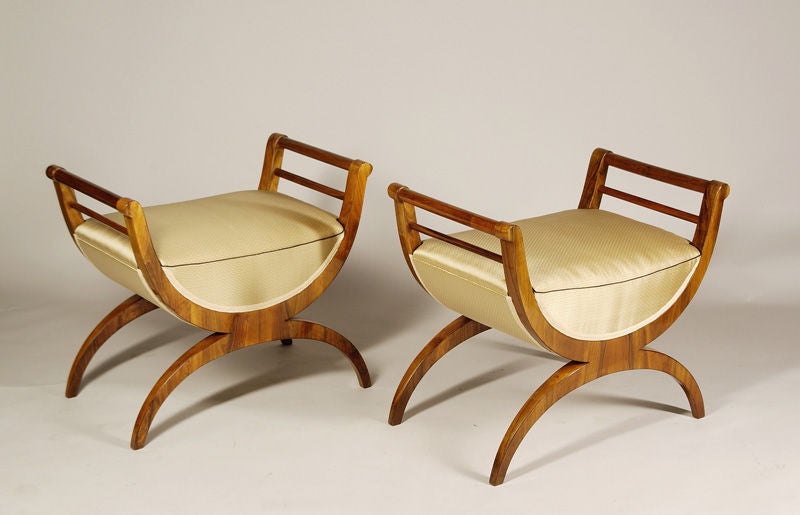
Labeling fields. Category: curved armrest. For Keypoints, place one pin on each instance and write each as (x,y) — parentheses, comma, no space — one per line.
(706,221)
(352,199)
(512,254)
(67,183)
(407,200)
(135,227)
(357,172)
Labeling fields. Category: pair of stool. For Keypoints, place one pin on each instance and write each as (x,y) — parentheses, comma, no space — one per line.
(586,284)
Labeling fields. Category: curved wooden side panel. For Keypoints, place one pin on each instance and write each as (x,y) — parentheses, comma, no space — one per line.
(349,217)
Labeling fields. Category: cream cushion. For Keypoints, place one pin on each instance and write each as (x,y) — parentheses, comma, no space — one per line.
(235,252)
(595,274)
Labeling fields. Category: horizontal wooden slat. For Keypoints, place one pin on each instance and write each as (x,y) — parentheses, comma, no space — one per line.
(98,193)
(654,172)
(308,183)
(656,206)
(315,153)
(475,221)
(100,218)
(455,241)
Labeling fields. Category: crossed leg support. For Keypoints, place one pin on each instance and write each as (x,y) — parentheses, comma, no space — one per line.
(206,350)
(566,379)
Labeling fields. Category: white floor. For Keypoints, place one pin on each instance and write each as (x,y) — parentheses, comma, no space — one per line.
(276,429)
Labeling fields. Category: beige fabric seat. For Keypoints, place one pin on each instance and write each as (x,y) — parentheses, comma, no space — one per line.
(595,274)
(235,252)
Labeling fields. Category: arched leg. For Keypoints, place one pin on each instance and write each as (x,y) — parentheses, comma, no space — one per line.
(566,379)
(654,360)
(456,332)
(304,329)
(130,309)
(206,350)
(574,375)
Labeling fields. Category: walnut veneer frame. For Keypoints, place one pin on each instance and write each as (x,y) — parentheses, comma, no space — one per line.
(589,359)
(231,331)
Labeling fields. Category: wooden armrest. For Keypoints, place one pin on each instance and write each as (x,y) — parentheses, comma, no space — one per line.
(67,183)
(357,172)
(706,220)
(313,152)
(273,160)
(496,228)
(406,200)
(58,174)
(135,227)
(657,173)
(512,247)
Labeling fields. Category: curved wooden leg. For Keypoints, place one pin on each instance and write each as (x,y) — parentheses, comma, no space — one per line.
(206,350)
(456,332)
(305,329)
(654,360)
(566,379)
(574,375)
(128,311)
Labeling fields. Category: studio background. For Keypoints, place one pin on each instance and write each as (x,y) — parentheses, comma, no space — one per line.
(495,106)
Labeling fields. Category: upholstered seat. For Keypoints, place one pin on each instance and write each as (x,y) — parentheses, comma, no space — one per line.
(235,252)
(589,285)
(241,265)
(595,274)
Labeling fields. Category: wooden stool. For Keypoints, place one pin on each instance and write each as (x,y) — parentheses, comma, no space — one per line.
(586,284)
(241,264)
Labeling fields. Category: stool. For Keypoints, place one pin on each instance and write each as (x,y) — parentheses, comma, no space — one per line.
(241,264)
(590,285)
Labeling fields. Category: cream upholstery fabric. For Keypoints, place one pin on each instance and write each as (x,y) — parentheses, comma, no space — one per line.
(234,252)
(595,274)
